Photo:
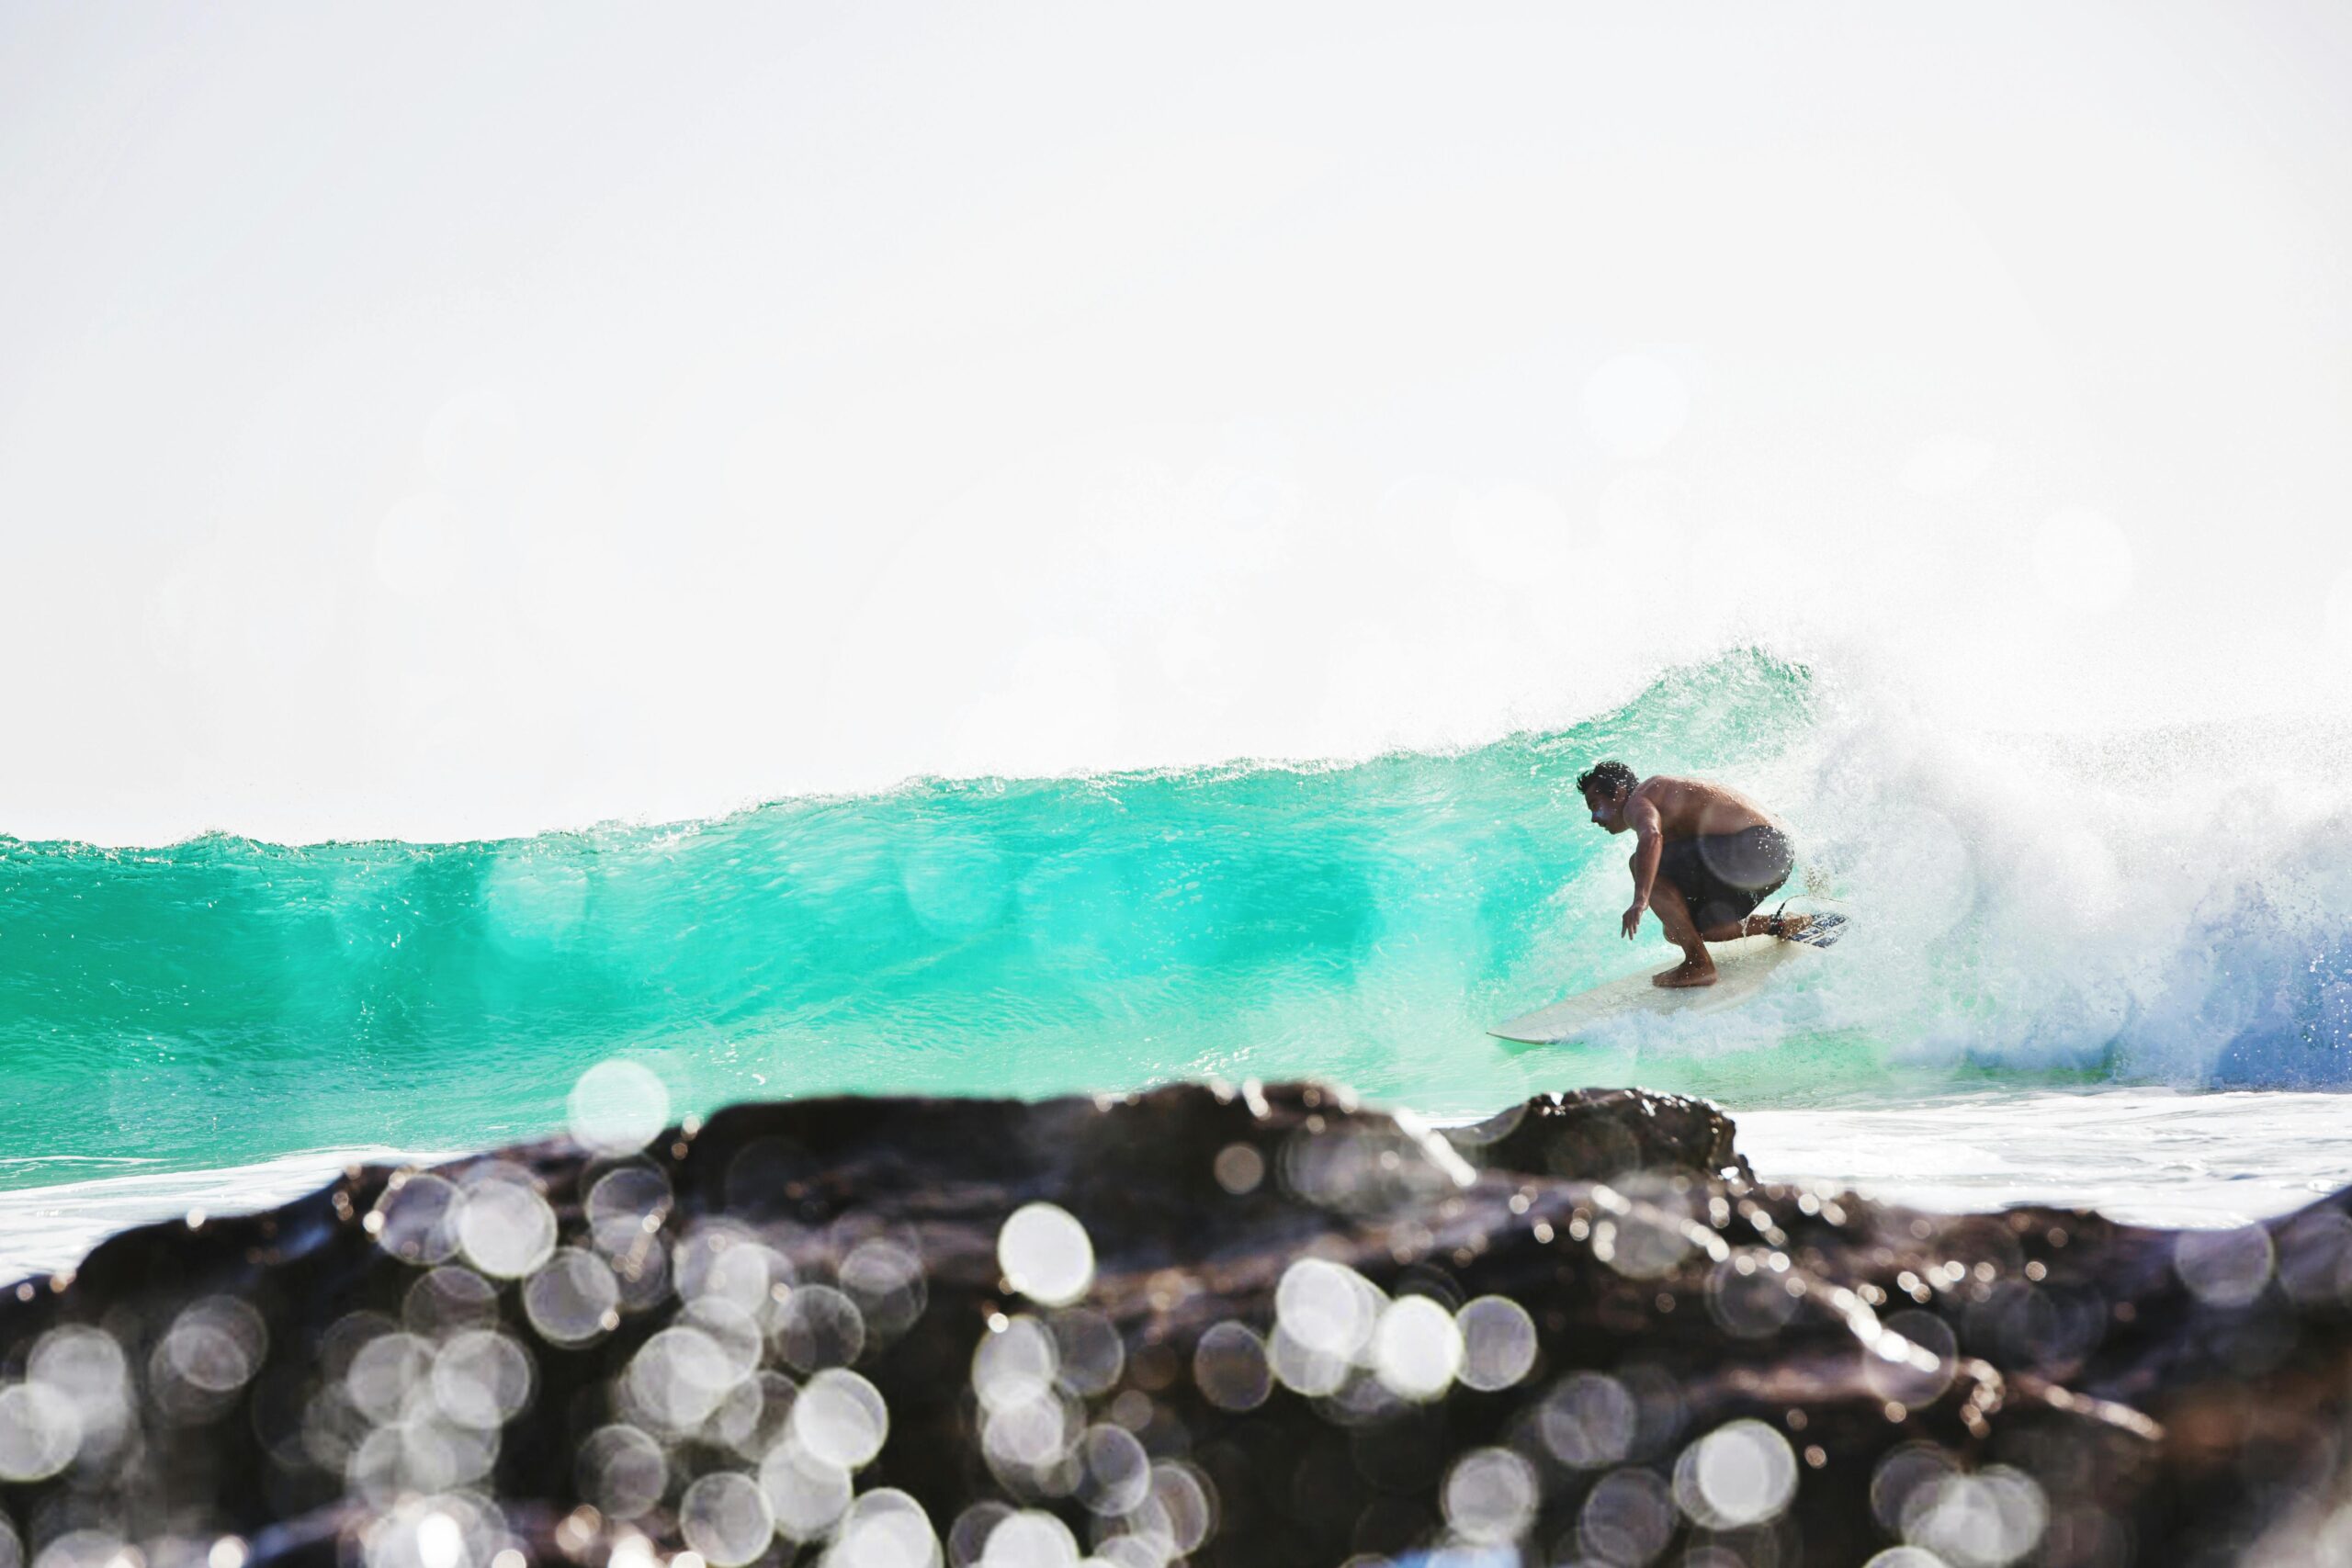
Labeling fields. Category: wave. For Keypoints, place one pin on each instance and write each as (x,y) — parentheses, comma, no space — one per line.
(2162,908)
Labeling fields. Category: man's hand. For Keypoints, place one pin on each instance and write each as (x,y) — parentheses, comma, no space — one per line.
(1633,921)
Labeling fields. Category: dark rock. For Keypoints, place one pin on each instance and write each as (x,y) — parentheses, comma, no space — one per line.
(1598,1133)
(1480,1337)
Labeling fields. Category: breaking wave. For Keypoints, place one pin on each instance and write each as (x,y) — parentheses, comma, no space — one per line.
(2165,907)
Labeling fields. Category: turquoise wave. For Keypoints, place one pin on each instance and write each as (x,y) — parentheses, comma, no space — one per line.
(224,1001)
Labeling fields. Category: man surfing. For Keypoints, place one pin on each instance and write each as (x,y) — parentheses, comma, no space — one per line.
(1704,856)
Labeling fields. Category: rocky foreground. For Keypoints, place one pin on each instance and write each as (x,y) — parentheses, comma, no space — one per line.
(1234,1327)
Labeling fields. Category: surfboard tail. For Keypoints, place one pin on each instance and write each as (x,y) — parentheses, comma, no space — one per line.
(1823,930)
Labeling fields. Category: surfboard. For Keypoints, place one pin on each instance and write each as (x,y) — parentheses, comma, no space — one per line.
(1745,966)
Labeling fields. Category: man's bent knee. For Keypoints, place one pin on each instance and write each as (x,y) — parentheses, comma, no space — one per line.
(1673,913)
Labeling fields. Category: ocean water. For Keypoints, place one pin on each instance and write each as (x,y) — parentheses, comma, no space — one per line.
(2067,956)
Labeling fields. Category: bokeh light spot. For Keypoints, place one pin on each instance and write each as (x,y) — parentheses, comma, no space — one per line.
(2224,1268)
(1588,1420)
(725,1517)
(841,1419)
(806,1494)
(572,1298)
(1498,1343)
(1627,1518)
(1230,1366)
(1741,1473)
(1326,1307)
(622,1469)
(504,1226)
(1240,1168)
(40,1432)
(1045,1254)
(1490,1495)
(617,1107)
(1417,1348)
(885,1528)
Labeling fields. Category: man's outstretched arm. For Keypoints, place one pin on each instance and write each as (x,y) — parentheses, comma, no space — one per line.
(1649,843)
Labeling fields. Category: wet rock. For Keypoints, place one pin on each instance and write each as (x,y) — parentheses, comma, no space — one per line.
(1598,1133)
(1254,1327)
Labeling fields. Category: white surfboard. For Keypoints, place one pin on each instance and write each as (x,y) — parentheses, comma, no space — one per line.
(1744,967)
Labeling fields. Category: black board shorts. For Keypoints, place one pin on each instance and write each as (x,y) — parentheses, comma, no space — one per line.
(1724,876)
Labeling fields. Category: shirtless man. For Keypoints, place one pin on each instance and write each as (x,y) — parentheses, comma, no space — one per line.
(1704,857)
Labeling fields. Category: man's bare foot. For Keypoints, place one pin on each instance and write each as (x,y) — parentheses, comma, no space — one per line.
(1787,928)
(1686,974)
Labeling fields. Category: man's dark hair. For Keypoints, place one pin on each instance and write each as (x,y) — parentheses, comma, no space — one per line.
(1605,777)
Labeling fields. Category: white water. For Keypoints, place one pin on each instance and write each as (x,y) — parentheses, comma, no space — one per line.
(43,1229)
(2149,1156)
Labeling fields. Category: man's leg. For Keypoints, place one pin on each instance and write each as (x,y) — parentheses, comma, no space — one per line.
(1673,912)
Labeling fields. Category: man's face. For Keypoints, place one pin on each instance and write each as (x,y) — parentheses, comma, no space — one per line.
(1606,809)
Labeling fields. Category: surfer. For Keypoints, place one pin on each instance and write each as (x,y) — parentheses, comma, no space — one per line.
(1704,857)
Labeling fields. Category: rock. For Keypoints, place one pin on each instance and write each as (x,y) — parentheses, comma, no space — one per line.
(1264,1328)
(1598,1134)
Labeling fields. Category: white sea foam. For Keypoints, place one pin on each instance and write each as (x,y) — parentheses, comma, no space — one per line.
(2149,1156)
(2165,907)
(43,1229)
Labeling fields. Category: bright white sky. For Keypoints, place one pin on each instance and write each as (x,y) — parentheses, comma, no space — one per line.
(446,422)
